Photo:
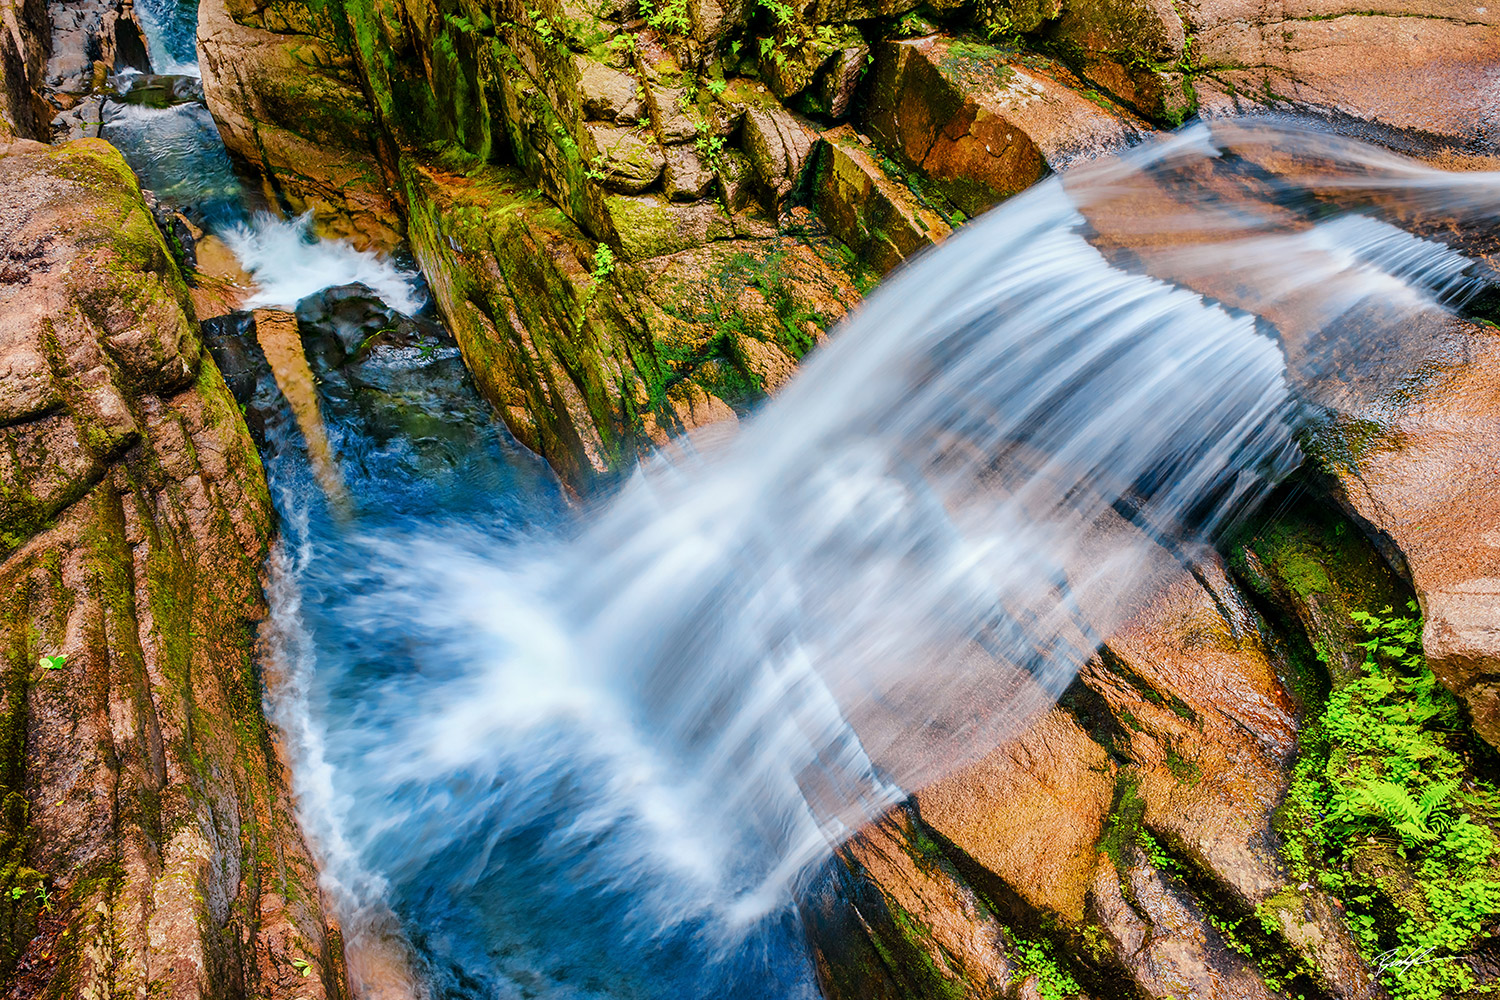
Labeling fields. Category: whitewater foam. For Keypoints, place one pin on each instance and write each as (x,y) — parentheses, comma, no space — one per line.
(289,263)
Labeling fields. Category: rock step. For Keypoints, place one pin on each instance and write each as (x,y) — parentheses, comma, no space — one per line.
(1132,826)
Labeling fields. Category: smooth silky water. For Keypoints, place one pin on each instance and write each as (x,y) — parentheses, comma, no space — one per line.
(595,750)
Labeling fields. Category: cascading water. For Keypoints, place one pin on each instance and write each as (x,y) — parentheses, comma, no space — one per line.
(577,754)
(593,757)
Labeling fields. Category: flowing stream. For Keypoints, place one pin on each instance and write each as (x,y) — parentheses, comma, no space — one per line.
(594,751)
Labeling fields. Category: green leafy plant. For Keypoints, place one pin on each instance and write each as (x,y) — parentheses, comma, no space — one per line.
(1035,958)
(53,662)
(670,17)
(303,967)
(604,262)
(1384,813)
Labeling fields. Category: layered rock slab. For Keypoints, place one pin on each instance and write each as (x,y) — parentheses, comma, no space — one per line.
(1133,823)
(589,358)
(148,841)
(983,123)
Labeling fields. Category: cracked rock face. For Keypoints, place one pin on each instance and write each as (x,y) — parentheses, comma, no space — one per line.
(146,832)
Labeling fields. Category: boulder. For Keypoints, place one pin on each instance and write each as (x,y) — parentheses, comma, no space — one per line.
(982,124)
(1420,70)
(147,831)
(874,214)
(627,160)
(1423,474)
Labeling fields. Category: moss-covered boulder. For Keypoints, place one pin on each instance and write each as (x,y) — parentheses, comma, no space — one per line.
(146,841)
(591,357)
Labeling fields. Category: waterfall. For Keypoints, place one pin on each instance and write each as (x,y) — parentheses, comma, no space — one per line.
(591,753)
(617,743)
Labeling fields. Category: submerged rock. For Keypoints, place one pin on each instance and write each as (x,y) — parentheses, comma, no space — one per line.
(147,835)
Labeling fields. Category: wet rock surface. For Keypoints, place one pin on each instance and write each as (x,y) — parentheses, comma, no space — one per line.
(149,845)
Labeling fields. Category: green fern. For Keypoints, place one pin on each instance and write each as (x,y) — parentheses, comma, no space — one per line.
(1385,761)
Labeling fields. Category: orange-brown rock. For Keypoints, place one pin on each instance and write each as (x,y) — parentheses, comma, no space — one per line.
(983,123)
(875,215)
(1179,737)
(290,107)
(893,885)
(1030,813)
(1427,477)
(148,844)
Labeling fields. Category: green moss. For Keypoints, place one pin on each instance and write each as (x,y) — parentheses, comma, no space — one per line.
(1123,827)
(1385,812)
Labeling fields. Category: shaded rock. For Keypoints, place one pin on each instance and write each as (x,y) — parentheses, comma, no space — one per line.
(161,91)
(290,108)
(627,160)
(609,94)
(788,71)
(1135,50)
(833,91)
(91,39)
(688,178)
(24,113)
(982,124)
(779,145)
(141,785)
(835,11)
(1164,939)
(83,120)
(876,215)
(671,121)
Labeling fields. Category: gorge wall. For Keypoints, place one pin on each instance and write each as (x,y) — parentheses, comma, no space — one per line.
(637,219)
(147,845)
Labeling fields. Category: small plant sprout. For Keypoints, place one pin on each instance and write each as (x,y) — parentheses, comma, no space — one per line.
(53,662)
(604,262)
(303,967)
